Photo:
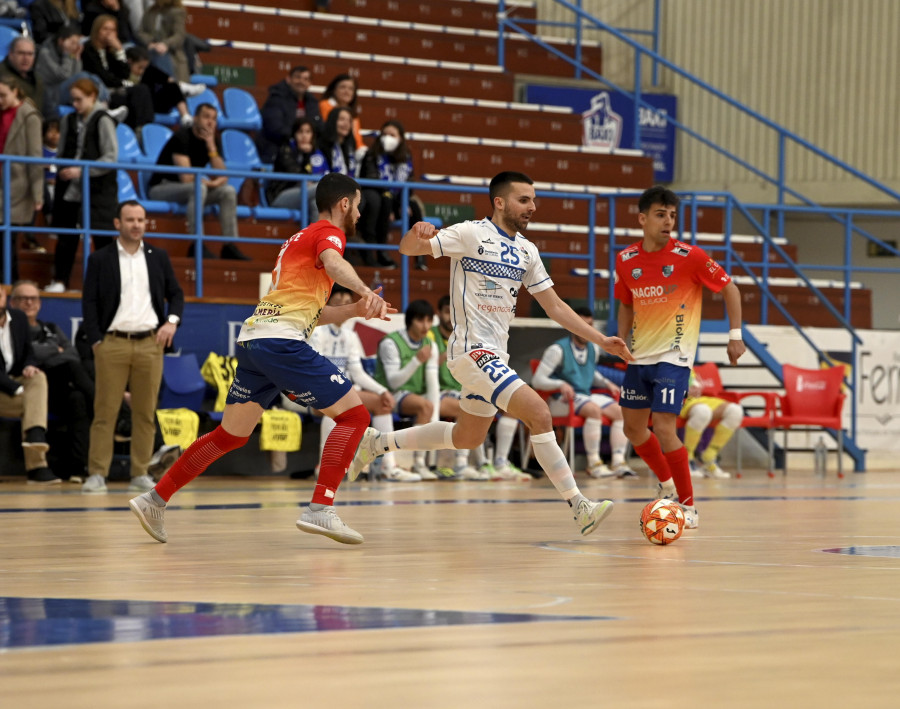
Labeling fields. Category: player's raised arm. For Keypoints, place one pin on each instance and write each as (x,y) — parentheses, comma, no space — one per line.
(417,241)
(559,311)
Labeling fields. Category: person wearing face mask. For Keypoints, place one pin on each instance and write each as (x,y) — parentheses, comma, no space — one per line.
(299,155)
(389,159)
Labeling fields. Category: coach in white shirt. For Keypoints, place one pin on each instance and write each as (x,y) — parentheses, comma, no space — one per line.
(126,289)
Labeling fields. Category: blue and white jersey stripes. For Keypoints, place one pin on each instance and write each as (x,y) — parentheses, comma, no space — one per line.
(487,269)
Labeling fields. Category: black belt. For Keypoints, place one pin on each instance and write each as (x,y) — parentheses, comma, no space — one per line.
(142,335)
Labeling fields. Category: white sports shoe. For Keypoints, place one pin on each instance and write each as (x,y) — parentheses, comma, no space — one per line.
(399,475)
(189,89)
(55,287)
(588,515)
(600,470)
(94,484)
(508,471)
(696,469)
(666,491)
(712,470)
(424,472)
(469,473)
(142,483)
(151,516)
(691,517)
(367,451)
(327,523)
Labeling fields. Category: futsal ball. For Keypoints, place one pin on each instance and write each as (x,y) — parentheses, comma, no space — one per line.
(662,521)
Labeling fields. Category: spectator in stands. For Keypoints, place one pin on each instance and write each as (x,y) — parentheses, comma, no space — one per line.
(20,134)
(104,57)
(389,159)
(337,142)
(94,8)
(408,367)
(49,149)
(126,289)
(341,92)
(165,92)
(343,348)
(23,391)
(58,61)
(19,65)
(289,101)
(569,367)
(198,145)
(47,16)
(300,156)
(162,31)
(87,134)
(70,387)
(700,412)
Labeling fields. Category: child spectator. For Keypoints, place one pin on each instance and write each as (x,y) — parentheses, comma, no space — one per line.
(299,155)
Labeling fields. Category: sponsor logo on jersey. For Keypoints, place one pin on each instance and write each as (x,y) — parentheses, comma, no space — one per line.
(712,266)
(514,292)
(636,273)
(681,250)
(305,397)
(482,357)
(632,395)
(487,241)
(654,291)
(335,240)
(679,331)
(628,255)
(667,270)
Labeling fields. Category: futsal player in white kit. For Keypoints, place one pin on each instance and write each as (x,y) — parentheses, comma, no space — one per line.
(490,261)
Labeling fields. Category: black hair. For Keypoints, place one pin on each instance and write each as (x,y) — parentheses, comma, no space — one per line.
(329,137)
(500,183)
(299,123)
(128,203)
(443,302)
(657,195)
(70,29)
(332,85)
(401,154)
(338,289)
(332,188)
(203,105)
(136,53)
(416,310)
(584,311)
(299,69)
(48,124)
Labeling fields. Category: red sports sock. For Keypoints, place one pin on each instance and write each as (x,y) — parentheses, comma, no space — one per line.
(340,448)
(681,474)
(651,453)
(197,458)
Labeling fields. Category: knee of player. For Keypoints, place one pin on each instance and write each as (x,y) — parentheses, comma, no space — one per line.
(539,420)
(699,416)
(733,415)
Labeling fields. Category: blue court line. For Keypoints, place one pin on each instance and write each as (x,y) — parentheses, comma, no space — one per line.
(41,622)
(472,501)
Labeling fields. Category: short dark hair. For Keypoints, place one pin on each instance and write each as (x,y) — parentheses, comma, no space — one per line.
(136,53)
(299,69)
(333,188)
(128,203)
(203,105)
(69,29)
(416,310)
(338,289)
(657,195)
(500,183)
(443,302)
(48,124)
(584,311)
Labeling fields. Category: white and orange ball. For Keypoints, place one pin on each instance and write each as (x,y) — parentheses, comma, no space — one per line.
(662,521)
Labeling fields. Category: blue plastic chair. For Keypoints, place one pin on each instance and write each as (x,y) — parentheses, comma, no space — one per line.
(239,153)
(7,35)
(129,148)
(172,118)
(182,384)
(241,111)
(154,137)
(206,97)
(126,186)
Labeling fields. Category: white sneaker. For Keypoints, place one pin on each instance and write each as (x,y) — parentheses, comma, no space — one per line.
(151,516)
(508,471)
(142,483)
(691,517)
(94,484)
(712,470)
(589,514)
(696,469)
(189,89)
(163,459)
(424,472)
(367,451)
(666,491)
(623,470)
(600,470)
(467,472)
(55,287)
(118,114)
(328,524)
(399,475)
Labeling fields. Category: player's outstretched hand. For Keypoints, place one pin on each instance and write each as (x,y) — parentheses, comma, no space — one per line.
(616,346)
(372,306)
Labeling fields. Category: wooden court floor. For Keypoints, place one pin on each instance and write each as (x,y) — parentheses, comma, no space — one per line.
(463,595)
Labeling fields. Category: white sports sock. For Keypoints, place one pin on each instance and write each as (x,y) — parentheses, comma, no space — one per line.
(478,456)
(462,459)
(385,424)
(591,437)
(618,442)
(552,460)
(505,432)
(437,435)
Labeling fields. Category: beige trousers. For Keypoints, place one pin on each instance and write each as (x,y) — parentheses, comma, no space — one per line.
(31,407)
(137,364)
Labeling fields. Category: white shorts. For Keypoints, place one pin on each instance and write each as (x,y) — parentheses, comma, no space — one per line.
(559,407)
(487,381)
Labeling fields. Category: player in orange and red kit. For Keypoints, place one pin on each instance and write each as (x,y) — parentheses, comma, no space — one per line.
(274,356)
(659,283)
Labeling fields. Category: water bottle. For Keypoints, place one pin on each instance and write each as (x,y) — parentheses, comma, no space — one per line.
(820,454)
(376,283)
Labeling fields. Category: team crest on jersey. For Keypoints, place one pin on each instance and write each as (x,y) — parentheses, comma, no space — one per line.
(514,292)
(628,254)
(636,273)
(667,270)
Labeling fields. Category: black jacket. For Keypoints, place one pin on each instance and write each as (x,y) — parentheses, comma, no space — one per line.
(23,355)
(278,115)
(103,289)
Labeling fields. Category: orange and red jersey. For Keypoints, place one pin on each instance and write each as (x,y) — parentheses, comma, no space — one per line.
(665,288)
(300,286)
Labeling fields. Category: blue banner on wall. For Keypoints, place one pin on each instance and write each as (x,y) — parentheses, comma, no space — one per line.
(608,121)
